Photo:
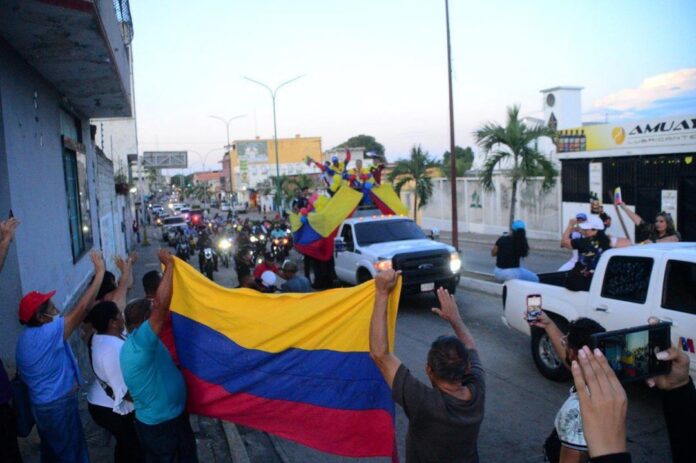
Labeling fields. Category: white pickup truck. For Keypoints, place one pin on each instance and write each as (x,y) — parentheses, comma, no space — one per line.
(629,286)
(365,245)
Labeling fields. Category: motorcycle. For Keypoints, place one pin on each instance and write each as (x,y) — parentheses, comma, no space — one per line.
(183,250)
(207,263)
(224,246)
(280,248)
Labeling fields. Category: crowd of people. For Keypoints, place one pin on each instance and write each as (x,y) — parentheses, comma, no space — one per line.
(586,236)
(139,394)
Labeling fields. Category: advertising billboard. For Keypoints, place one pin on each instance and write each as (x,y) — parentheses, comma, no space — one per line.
(668,131)
(252,151)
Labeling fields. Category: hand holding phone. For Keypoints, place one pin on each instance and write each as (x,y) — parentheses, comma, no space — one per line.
(632,353)
(533,307)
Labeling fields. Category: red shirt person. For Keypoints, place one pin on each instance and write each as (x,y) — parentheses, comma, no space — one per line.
(267,264)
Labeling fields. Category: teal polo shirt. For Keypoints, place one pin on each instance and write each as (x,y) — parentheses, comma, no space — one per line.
(154,382)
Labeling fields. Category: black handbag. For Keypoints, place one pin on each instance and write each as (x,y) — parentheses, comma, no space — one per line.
(24,418)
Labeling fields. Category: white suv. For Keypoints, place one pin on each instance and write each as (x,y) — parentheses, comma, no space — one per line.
(366,245)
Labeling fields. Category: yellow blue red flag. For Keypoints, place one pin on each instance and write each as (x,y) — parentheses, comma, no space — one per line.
(295,365)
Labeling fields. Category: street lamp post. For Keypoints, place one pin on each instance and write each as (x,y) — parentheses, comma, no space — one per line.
(203,159)
(228,147)
(273,93)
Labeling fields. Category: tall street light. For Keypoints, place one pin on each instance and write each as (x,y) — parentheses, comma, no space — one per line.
(229,146)
(453,155)
(275,127)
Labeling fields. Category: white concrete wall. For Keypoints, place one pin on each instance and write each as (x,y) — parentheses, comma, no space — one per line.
(488,212)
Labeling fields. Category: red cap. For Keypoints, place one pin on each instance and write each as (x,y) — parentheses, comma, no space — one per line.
(31,302)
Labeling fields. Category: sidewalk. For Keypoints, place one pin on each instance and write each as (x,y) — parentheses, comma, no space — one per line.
(216,442)
(478,238)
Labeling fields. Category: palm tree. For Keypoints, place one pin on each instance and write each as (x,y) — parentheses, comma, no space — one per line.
(516,142)
(415,171)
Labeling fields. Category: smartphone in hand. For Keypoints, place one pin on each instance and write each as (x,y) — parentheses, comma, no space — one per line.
(533,307)
(631,352)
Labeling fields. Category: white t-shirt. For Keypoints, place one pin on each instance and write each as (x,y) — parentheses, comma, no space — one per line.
(569,424)
(105,360)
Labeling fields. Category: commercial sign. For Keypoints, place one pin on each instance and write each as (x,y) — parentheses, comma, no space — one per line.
(252,151)
(165,159)
(669,131)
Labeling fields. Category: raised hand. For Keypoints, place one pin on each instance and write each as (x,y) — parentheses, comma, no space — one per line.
(97,261)
(165,256)
(7,229)
(678,375)
(603,403)
(448,304)
(386,280)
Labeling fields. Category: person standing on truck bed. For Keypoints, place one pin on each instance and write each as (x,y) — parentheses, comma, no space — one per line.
(508,251)
(589,247)
(662,231)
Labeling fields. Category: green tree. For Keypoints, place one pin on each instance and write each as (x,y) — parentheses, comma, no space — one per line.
(514,149)
(180,180)
(415,172)
(363,141)
(464,159)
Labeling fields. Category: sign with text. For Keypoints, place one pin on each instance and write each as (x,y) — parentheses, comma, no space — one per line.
(668,131)
(165,159)
(252,151)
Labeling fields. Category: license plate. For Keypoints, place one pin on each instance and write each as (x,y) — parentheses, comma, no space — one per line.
(425,287)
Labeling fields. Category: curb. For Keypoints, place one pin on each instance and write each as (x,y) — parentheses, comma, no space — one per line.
(481,286)
(235,443)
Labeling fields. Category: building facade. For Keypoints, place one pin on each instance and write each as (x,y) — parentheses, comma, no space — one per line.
(253,162)
(63,63)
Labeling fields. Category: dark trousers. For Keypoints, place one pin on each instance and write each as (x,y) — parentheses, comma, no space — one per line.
(307,266)
(122,427)
(168,442)
(9,450)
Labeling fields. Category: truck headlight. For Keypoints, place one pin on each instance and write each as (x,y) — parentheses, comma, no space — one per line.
(455,262)
(382,265)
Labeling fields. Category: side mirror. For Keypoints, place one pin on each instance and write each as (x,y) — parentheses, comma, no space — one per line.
(435,234)
(339,245)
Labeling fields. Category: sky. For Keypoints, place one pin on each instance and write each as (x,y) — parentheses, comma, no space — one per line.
(379,67)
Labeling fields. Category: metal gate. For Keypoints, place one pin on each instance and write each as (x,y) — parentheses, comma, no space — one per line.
(686,217)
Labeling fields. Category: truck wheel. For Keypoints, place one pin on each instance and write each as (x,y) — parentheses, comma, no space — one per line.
(363,276)
(545,358)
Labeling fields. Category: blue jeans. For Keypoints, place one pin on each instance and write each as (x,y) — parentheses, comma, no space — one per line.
(517,273)
(60,429)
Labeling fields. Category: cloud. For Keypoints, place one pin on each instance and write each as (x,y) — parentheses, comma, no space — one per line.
(669,86)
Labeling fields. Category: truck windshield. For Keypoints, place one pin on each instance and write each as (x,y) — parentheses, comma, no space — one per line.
(385,231)
(174,221)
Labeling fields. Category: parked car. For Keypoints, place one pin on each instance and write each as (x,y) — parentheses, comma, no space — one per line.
(225,207)
(366,245)
(169,227)
(629,286)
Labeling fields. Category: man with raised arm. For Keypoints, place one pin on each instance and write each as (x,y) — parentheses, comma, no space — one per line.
(155,383)
(444,418)
(47,365)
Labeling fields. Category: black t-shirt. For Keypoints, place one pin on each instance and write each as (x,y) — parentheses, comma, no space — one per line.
(589,252)
(441,427)
(506,257)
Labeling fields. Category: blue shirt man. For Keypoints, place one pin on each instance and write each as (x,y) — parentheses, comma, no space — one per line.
(295,283)
(154,382)
(47,366)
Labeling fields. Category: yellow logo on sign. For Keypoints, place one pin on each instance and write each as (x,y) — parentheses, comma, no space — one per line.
(618,134)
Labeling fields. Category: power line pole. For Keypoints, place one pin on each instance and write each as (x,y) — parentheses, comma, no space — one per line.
(453,155)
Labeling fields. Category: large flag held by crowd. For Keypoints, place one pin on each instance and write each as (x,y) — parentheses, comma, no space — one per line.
(294,365)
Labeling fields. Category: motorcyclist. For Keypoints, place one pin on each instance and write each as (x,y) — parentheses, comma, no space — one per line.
(205,242)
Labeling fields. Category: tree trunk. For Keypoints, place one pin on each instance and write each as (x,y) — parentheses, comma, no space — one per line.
(513,201)
(415,205)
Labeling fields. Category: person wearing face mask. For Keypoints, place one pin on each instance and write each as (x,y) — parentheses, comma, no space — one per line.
(47,365)
(109,402)
(662,231)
